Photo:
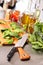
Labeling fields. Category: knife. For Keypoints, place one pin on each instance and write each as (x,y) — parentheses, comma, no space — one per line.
(18,46)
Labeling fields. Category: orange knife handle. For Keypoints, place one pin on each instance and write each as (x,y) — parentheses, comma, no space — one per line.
(23,55)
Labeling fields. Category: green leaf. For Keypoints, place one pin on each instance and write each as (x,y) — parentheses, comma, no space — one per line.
(36,47)
(18,30)
(32,38)
(9,41)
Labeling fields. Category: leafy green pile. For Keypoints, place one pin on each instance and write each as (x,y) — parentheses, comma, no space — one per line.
(8,34)
(36,38)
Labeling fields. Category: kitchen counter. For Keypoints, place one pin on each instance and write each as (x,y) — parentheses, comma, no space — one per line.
(36,58)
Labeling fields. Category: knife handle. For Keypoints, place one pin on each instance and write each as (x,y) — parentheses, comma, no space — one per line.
(23,55)
(11,53)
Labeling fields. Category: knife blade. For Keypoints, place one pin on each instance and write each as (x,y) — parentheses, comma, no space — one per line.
(20,43)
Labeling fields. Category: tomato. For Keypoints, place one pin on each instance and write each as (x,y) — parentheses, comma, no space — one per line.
(15,16)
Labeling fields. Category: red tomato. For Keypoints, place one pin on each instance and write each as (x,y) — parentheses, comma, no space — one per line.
(15,16)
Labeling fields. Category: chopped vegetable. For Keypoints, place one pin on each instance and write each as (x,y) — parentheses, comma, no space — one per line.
(18,30)
(14,25)
(36,38)
(9,31)
(9,41)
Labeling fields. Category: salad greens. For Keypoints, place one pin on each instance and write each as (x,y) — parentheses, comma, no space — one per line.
(14,25)
(36,38)
(9,41)
(8,33)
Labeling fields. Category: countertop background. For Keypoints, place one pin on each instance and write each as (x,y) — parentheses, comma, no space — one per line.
(36,57)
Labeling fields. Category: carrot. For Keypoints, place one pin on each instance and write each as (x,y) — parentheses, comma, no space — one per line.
(15,40)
